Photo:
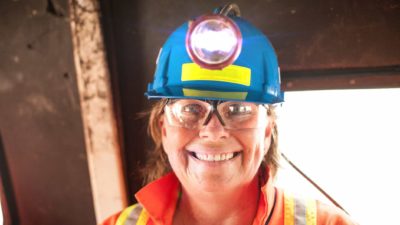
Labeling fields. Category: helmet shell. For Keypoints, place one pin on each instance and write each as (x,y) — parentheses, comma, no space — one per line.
(254,76)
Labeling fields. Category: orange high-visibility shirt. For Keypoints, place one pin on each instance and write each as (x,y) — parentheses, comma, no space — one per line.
(158,200)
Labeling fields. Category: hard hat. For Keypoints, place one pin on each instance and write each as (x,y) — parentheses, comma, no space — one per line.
(217,57)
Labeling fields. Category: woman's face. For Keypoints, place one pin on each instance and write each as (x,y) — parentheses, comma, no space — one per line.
(213,158)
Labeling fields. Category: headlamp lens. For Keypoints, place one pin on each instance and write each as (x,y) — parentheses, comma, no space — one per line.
(214,42)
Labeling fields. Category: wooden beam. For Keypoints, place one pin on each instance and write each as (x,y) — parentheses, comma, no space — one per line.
(98,114)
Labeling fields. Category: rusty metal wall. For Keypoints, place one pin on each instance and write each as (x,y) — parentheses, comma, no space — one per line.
(321,44)
(40,119)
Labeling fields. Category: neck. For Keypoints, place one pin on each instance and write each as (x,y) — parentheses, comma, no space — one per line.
(228,207)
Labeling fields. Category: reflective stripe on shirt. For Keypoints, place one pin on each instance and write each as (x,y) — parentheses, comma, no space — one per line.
(299,211)
(133,215)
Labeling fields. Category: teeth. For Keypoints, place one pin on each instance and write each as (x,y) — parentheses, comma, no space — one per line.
(217,157)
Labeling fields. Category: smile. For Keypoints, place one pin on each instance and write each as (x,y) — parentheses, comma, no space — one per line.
(214,157)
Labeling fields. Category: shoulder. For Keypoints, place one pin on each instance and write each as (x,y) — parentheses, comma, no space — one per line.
(311,211)
(331,215)
(131,214)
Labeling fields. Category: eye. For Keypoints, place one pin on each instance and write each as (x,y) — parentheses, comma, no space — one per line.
(238,109)
(193,109)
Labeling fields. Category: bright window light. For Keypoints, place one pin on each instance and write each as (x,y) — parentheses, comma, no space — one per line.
(348,142)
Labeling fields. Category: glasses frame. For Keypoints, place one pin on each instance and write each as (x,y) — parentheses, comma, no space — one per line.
(214,109)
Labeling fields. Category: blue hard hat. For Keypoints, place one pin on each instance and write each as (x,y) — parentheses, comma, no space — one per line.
(248,71)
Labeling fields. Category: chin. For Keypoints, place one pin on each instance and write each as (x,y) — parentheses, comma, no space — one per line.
(213,182)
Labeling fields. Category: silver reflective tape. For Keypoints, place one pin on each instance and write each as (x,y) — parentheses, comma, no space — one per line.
(299,212)
(134,215)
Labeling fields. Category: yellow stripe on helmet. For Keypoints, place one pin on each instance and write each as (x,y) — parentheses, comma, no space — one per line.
(214,94)
(231,74)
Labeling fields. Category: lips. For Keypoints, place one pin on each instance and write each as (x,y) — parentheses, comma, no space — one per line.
(214,157)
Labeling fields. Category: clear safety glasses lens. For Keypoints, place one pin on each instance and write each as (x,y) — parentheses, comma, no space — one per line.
(194,114)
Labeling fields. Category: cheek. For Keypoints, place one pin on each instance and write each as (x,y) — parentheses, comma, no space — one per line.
(174,139)
(253,143)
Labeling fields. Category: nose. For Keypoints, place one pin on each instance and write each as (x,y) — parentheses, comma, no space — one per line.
(214,130)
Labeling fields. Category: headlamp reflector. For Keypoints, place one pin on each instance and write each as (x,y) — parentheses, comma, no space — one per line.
(213,41)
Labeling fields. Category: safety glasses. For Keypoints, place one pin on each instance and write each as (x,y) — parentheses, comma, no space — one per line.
(194,114)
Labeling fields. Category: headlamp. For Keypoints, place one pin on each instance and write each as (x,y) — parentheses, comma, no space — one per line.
(213,41)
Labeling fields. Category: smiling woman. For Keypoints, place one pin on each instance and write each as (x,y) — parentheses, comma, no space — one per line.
(213,125)
(211,140)
(159,165)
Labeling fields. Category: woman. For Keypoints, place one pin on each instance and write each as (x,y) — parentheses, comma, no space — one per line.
(215,135)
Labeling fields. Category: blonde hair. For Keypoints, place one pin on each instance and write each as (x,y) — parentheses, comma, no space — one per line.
(157,163)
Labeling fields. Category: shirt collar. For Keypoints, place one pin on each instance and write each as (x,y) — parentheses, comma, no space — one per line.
(160,197)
